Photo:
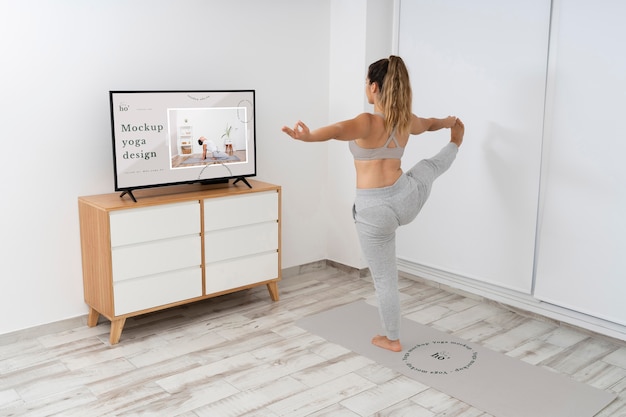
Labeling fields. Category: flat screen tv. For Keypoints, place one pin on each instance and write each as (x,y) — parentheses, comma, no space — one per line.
(163,138)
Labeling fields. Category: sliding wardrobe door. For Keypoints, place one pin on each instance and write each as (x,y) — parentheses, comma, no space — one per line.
(484,61)
(581,258)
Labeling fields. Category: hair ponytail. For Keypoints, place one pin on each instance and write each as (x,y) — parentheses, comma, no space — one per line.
(396,97)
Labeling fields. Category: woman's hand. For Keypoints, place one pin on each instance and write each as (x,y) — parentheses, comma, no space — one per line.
(300,131)
(449,121)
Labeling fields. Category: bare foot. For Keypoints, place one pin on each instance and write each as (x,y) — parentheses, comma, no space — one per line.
(383,342)
(457,132)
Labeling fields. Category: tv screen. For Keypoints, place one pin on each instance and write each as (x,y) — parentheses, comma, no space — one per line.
(179,137)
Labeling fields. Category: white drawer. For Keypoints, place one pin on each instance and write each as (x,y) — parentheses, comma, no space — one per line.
(240,241)
(132,261)
(221,276)
(225,212)
(152,223)
(156,290)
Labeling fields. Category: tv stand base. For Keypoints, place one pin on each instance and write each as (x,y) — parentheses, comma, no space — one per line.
(242,179)
(130,193)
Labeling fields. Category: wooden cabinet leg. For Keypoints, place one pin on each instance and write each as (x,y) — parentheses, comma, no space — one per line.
(273,289)
(116,330)
(92,318)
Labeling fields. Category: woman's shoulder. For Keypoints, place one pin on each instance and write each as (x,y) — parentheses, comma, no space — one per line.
(371,126)
(370,118)
(365,115)
(364,120)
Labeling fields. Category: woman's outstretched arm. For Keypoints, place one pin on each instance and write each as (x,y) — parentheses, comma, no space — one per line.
(421,125)
(346,130)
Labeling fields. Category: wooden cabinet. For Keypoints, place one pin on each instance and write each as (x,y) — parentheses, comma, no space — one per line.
(171,249)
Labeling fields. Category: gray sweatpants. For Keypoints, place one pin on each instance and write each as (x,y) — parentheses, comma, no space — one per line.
(378,212)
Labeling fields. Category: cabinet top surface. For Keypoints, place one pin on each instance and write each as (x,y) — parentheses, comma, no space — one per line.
(178,193)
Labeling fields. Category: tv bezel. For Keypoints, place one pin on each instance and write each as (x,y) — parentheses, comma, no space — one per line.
(212,180)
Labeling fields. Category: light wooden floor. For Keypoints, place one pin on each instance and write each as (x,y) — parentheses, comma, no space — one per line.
(242,355)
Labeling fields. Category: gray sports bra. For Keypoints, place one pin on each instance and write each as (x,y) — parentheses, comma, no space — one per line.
(384,152)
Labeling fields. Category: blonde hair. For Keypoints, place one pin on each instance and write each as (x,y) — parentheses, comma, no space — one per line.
(396,97)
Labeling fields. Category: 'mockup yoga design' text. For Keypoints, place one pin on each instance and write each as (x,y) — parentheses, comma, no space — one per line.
(141,154)
(142,128)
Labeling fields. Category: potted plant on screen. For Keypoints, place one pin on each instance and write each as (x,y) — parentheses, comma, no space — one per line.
(228,144)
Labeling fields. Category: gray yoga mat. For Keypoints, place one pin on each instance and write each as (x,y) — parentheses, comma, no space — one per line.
(487,380)
(197,160)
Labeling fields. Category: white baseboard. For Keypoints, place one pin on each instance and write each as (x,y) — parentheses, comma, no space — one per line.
(513,299)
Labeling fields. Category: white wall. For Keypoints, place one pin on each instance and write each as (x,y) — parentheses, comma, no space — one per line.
(361,33)
(485,62)
(59,61)
(580,259)
(541,91)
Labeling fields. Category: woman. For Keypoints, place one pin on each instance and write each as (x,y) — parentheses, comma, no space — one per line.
(386,197)
(208,146)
